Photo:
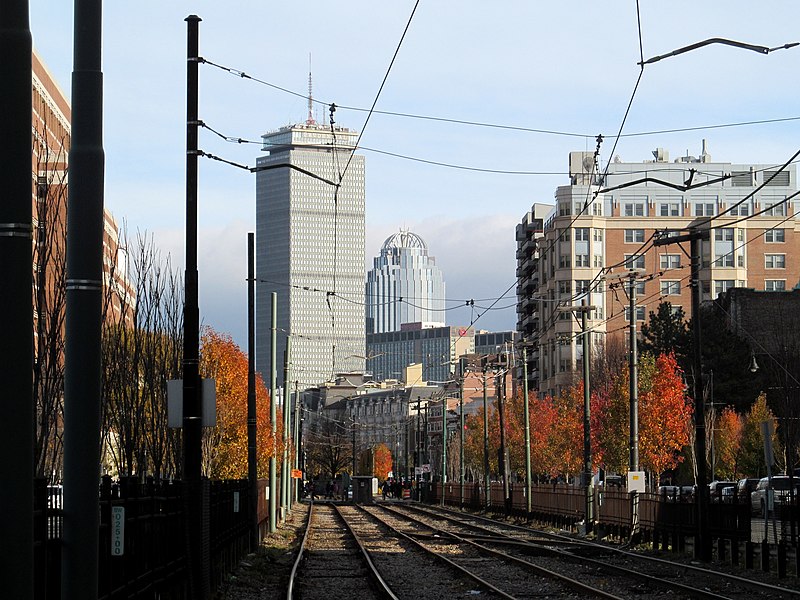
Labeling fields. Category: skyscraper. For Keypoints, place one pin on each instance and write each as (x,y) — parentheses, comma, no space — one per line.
(310,250)
(404,285)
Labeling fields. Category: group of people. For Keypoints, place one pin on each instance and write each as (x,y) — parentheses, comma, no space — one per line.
(392,488)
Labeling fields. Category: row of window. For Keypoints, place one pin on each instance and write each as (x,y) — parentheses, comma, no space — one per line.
(701,209)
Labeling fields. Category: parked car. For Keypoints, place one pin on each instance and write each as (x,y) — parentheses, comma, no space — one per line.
(614,481)
(745,487)
(780,493)
(728,495)
(715,490)
(687,493)
(669,493)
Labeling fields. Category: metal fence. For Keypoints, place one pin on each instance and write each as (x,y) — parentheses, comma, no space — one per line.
(142,537)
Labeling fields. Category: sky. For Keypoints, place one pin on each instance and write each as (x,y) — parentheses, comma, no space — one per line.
(568,70)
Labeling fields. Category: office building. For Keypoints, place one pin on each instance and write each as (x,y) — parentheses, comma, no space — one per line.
(310,251)
(404,285)
(599,232)
(437,349)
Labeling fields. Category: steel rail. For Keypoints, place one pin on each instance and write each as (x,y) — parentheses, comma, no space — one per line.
(293,574)
(750,583)
(446,560)
(547,573)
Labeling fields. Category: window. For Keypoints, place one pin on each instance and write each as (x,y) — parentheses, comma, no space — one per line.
(775,261)
(723,235)
(675,310)
(724,260)
(598,260)
(581,234)
(563,209)
(597,209)
(670,261)
(639,286)
(564,234)
(704,209)
(774,236)
(564,288)
(723,285)
(639,313)
(598,235)
(581,286)
(564,261)
(742,210)
(670,288)
(633,209)
(633,236)
(775,285)
(582,260)
(634,261)
(669,209)
(774,209)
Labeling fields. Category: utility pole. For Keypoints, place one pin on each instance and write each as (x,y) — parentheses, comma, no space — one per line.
(462,364)
(285,414)
(195,489)
(501,389)
(633,363)
(584,309)
(297,419)
(527,418)
(487,482)
(16,305)
(273,415)
(252,459)
(444,445)
(695,236)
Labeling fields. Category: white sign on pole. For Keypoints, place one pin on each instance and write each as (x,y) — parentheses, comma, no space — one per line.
(236,502)
(208,394)
(117,530)
(635,481)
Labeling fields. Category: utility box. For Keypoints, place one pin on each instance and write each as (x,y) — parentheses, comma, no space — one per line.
(364,489)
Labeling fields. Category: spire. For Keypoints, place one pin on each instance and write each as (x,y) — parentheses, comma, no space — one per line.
(310,120)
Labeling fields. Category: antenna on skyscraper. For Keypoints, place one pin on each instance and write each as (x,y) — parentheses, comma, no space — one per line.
(310,120)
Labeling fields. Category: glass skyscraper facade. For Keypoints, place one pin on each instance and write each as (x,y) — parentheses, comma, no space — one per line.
(404,286)
(310,252)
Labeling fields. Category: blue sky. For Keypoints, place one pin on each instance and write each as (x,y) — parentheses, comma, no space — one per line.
(564,67)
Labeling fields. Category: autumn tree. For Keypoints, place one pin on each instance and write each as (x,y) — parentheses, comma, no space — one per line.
(752,453)
(664,415)
(225,445)
(611,424)
(382,461)
(728,436)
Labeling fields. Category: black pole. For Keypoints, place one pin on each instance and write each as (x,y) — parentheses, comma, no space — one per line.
(501,391)
(487,482)
(82,366)
(196,527)
(252,463)
(633,360)
(703,551)
(587,421)
(16,304)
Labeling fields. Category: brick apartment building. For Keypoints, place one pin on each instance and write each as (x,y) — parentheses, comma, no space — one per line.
(584,246)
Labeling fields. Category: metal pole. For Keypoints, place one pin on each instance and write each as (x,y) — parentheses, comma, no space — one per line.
(461,437)
(501,392)
(196,527)
(444,445)
(84,287)
(297,439)
(285,459)
(16,305)
(527,417)
(273,416)
(634,380)
(486,475)
(252,461)
(587,425)
(703,543)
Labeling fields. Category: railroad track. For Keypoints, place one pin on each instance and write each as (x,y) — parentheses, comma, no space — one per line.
(676,578)
(332,562)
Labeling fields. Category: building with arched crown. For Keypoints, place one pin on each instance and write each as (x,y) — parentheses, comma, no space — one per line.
(404,286)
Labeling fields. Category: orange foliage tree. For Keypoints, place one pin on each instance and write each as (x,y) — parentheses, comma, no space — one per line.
(728,434)
(225,446)
(382,461)
(664,414)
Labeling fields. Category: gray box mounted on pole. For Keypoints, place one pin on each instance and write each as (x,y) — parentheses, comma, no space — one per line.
(208,395)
